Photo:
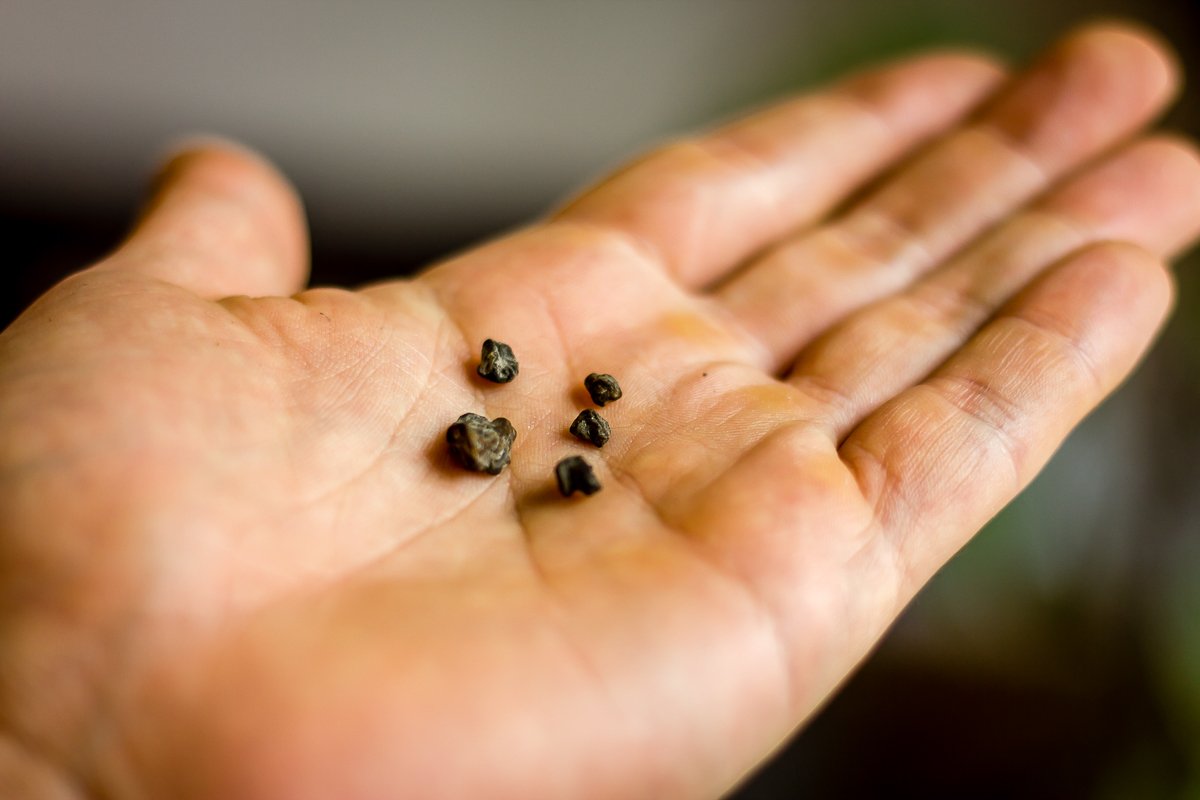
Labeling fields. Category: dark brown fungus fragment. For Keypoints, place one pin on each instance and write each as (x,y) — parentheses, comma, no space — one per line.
(480,444)
(591,427)
(497,362)
(575,475)
(603,388)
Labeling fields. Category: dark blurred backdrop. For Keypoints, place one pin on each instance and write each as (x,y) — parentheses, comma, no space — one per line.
(1057,656)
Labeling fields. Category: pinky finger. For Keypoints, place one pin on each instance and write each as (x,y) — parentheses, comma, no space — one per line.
(941,458)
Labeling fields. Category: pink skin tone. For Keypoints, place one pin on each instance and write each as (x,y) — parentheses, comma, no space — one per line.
(237,562)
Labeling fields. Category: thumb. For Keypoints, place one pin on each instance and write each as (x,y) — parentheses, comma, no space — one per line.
(220,221)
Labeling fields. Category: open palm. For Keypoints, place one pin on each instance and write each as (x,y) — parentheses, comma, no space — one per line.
(237,561)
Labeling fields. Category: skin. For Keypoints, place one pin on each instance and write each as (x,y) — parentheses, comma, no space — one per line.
(237,562)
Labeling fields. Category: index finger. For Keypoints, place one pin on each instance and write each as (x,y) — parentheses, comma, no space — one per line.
(702,204)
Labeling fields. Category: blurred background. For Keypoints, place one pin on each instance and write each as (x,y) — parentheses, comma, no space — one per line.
(1057,656)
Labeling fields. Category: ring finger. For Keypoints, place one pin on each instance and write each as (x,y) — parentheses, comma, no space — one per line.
(1148,195)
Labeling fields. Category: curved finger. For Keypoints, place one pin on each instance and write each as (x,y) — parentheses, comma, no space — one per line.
(703,204)
(1094,88)
(940,459)
(1148,194)
(220,221)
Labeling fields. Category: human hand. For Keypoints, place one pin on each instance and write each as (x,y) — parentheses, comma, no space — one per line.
(236,561)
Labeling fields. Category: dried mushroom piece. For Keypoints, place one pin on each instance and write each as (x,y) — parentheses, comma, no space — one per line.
(480,444)
(497,362)
(591,427)
(575,475)
(602,388)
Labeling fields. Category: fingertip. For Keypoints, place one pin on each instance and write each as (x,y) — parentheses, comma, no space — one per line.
(957,59)
(1178,156)
(961,74)
(1147,193)
(1151,273)
(232,171)
(1118,291)
(1110,40)
(981,63)
(1129,268)
(1136,297)
(1131,33)
(1178,145)
(200,141)
(220,219)
(1176,159)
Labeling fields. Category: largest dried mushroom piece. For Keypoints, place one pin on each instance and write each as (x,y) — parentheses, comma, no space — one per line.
(481,444)
(497,362)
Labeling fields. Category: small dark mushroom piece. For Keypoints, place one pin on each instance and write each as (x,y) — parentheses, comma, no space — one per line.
(602,388)
(591,427)
(497,362)
(480,444)
(575,475)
